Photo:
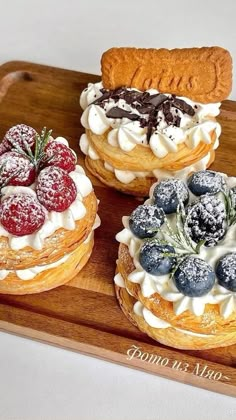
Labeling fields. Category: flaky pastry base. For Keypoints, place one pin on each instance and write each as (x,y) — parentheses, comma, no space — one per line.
(170,336)
(139,187)
(211,322)
(51,278)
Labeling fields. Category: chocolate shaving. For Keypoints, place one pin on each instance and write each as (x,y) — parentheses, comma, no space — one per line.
(157,99)
(177,121)
(151,124)
(146,104)
(145,109)
(106,95)
(117,112)
(167,112)
(183,106)
(132,96)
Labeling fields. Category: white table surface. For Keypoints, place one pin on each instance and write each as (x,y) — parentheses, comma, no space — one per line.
(43,382)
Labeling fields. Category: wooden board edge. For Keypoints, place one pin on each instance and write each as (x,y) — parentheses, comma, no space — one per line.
(160,361)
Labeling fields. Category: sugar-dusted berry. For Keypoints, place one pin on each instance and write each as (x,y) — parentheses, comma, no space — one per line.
(58,154)
(21,214)
(154,258)
(16,169)
(19,135)
(194,277)
(55,190)
(146,220)
(169,193)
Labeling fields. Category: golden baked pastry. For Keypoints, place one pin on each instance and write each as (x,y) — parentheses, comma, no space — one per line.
(141,126)
(176,266)
(48,212)
(201,74)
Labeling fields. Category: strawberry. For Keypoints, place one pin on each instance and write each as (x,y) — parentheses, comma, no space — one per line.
(19,135)
(14,163)
(55,189)
(58,154)
(21,214)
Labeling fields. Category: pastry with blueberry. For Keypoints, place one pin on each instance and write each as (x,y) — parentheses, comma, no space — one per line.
(153,115)
(48,212)
(176,268)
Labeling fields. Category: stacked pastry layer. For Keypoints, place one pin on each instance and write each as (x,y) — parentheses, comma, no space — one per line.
(46,222)
(176,266)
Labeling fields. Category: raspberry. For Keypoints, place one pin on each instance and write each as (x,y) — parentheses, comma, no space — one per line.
(55,189)
(2,149)
(21,214)
(15,163)
(60,155)
(19,134)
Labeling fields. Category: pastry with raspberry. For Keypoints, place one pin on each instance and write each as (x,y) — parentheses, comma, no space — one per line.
(48,212)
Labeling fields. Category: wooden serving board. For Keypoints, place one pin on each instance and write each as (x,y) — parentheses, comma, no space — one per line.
(84,315)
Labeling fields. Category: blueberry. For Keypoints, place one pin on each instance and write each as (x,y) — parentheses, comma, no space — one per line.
(194,277)
(145,221)
(152,259)
(226,272)
(168,193)
(206,182)
(206,220)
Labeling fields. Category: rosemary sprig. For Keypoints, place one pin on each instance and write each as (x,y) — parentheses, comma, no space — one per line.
(229,207)
(39,153)
(180,238)
(7,180)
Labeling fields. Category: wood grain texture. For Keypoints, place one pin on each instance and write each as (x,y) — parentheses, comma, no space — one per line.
(84,315)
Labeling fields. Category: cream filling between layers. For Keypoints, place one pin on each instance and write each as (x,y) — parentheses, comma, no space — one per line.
(31,272)
(164,285)
(151,319)
(125,177)
(126,134)
(53,220)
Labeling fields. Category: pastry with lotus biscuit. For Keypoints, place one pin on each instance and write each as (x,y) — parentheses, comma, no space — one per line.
(153,115)
(48,212)
(176,268)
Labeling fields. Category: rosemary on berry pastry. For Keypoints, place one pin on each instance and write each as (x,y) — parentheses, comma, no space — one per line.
(47,211)
(177,259)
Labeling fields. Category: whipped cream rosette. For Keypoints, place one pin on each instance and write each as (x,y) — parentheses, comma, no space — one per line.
(48,212)
(176,269)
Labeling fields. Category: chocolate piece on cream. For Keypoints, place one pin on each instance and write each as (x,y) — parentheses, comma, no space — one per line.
(117,112)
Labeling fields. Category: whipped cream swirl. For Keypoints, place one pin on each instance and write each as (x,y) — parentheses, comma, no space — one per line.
(166,137)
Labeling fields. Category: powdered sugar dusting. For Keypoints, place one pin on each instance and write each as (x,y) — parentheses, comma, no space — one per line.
(21,214)
(206,220)
(211,181)
(55,189)
(14,163)
(60,155)
(194,277)
(19,133)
